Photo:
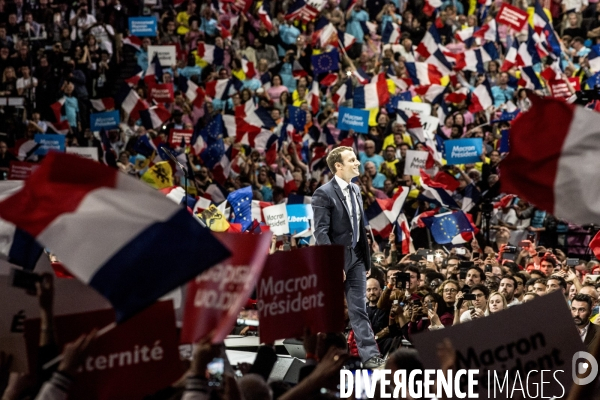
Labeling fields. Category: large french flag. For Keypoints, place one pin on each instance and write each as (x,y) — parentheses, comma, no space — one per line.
(557,174)
(126,240)
(16,246)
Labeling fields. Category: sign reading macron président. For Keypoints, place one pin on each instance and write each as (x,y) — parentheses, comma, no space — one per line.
(353,118)
(143,26)
(463,151)
(104,120)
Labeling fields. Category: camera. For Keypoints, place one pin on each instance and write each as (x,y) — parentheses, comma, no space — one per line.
(402,280)
(509,249)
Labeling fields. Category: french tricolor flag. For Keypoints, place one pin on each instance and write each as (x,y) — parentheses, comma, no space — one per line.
(430,42)
(265,18)
(133,41)
(481,98)
(423,73)
(345,40)
(141,246)
(195,94)
(106,103)
(529,79)
(465,34)
(372,95)
(314,98)
(16,246)
(558,174)
(488,31)
(391,34)
(403,235)
(217,89)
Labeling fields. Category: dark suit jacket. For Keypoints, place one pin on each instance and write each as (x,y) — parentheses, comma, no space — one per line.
(332,218)
(593,331)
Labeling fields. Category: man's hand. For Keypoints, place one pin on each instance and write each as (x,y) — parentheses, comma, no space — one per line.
(45,291)
(75,352)
(205,352)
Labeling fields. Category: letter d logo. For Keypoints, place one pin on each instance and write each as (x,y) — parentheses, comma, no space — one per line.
(579,367)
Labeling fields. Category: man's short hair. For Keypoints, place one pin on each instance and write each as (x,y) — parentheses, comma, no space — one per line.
(560,279)
(584,298)
(578,39)
(335,156)
(511,278)
(482,288)
(479,271)
(549,259)
(521,277)
(415,269)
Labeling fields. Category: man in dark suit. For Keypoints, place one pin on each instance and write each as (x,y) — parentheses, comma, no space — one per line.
(338,217)
(581,310)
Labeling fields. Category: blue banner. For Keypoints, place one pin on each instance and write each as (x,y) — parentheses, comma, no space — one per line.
(143,26)
(463,151)
(105,120)
(353,118)
(49,142)
(299,217)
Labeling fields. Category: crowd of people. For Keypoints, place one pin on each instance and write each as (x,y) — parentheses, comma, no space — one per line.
(63,59)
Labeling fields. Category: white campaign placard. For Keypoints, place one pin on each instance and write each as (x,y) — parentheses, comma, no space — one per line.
(91,153)
(277,219)
(528,348)
(417,108)
(166,54)
(415,161)
(430,125)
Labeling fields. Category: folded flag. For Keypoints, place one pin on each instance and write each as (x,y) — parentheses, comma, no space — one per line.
(450,227)
(549,173)
(17,246)
(159,176)
(263,14)
(430,43)
(214,219)
(241,201)
(403,235)
(481,98)
(124,239)
(435,193)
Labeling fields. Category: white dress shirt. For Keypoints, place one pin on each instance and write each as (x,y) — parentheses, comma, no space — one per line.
(345,186)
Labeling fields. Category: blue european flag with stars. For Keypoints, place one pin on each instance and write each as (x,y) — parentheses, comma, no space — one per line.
(297,117)
(241,204)
(452,227)
(325,62)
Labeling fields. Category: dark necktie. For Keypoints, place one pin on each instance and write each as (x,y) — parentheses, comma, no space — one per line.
(354,217)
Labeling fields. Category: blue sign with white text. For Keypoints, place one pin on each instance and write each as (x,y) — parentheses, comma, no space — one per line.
(299,217)
(142,26)
(105,120)
(353,118)
(463,151)
(49,142)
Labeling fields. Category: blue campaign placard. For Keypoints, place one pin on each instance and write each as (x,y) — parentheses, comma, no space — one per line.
(105,120)
(143,26)
(49,142)
(463,151)
(299,216)
(353,118)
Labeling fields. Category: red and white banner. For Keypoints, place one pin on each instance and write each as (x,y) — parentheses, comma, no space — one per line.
(301,288)
(215,298)
(21,170)
(176,135)
(161,92)
(133,360)
(512,16)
